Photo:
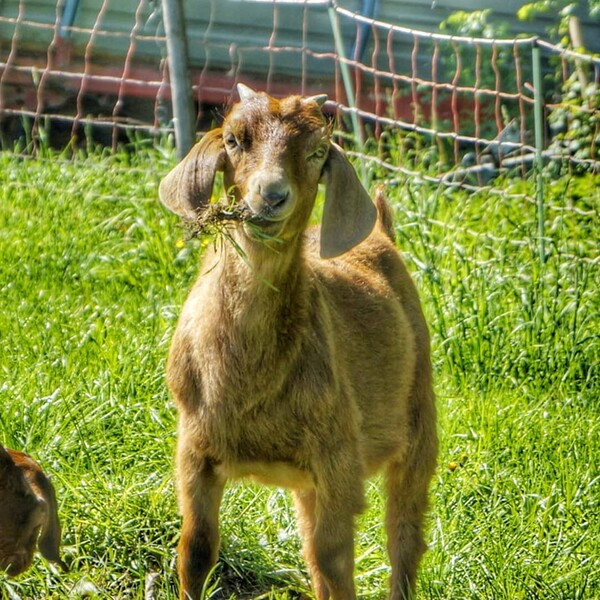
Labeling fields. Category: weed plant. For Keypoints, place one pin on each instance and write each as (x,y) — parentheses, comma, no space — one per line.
(93,272)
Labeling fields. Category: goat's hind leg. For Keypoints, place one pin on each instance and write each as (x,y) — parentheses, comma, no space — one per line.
(200,494)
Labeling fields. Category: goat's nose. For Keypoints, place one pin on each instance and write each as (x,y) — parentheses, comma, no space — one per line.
(274,195)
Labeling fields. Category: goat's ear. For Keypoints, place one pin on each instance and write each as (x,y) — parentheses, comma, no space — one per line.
(50,538)
(349,213)
(187,188)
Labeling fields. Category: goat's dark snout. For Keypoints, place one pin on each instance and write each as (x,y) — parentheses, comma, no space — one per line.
(274,195)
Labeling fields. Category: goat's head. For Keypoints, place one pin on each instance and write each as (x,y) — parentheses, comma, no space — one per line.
(22,515)
(273,154)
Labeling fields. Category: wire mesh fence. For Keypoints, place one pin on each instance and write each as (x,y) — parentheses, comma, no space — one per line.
(463,108)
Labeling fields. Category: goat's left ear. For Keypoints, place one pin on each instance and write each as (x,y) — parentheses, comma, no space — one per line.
(349,213)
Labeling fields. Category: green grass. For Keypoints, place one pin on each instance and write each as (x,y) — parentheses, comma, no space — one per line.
(92,275)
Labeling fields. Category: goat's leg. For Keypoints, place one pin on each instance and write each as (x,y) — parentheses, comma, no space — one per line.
(328,545)
(200,493)
(333,549)
(305,501)
(407,503)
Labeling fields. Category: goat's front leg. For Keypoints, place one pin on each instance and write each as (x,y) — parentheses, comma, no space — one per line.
(200,494)
(333,549)
(305,501)
(326,523)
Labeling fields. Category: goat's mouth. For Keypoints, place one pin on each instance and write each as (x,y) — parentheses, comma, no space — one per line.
(264,219)
(263,227)
(270,219)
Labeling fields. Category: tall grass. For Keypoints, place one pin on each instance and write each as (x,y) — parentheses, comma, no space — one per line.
(92,275)
(498,313)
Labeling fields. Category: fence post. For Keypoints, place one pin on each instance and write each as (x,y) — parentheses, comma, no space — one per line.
(538,98)
(181,89)
(347,79)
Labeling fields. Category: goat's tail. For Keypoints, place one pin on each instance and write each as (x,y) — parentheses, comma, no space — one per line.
(385,219)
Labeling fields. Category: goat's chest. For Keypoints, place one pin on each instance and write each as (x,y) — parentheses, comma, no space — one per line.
(251,394)
(255,434)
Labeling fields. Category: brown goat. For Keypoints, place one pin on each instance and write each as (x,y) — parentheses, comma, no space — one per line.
(28,510)
(303,369)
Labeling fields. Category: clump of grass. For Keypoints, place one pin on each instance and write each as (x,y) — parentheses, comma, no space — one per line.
(499,316)
(214,218)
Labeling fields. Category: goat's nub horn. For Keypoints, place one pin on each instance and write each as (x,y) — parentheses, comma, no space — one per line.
(320,99)
(245,92)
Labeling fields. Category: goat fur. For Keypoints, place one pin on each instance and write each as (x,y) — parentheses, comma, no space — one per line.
(299,360)
(28,513)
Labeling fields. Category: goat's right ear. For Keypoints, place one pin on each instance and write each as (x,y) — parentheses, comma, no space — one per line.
(187,188)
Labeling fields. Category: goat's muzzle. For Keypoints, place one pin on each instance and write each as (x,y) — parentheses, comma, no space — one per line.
(271,204)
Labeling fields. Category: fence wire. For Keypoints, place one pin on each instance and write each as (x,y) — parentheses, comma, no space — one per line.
(461,109)
(63,83)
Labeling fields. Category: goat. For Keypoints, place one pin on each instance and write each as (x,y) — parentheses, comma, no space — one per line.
(28,511)
(298,362)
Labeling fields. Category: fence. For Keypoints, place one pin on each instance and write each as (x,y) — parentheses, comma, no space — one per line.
(465,108)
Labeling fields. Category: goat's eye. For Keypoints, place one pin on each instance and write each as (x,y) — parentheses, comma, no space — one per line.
(319,153)
(231,141)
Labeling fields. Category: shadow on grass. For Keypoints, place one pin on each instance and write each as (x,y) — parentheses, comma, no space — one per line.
(243,582)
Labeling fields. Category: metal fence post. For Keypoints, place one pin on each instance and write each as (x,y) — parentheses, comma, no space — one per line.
(347,79)
(181,88)
(538,98)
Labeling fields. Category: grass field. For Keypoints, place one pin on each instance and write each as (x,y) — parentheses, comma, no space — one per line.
(93,272)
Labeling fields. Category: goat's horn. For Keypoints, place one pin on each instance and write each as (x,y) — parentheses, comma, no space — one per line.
(320,99)
(245,92)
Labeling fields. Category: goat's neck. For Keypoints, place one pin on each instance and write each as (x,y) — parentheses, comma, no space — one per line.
(265,282)
(273,262)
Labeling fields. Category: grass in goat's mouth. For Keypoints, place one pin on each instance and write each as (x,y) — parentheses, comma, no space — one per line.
(215,217)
